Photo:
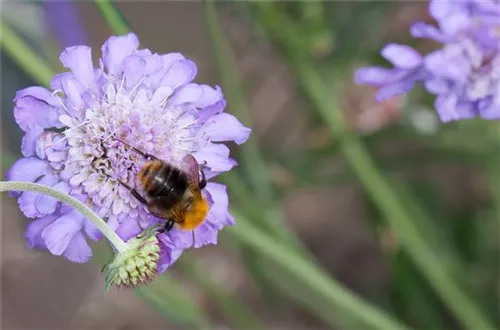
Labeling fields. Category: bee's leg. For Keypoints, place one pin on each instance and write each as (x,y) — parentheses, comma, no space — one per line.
(167,227)
(143,154)
(134,192)
(203,181)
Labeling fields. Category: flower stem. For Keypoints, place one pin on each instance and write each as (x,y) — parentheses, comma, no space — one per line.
(113,17)
(109,233)
(19,52)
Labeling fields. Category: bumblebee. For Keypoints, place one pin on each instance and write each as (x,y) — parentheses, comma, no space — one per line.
(172,193)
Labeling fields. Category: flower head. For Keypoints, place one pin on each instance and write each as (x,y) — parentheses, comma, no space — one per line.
(464,73)
(71,142)
(139,264)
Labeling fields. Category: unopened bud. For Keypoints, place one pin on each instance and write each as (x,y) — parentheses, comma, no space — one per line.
(137,265)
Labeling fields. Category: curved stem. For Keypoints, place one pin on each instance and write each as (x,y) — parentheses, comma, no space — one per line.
(109,233)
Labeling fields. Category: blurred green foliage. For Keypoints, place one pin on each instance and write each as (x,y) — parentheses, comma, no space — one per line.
(435,250)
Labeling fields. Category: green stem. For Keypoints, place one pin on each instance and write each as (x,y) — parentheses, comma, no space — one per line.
(494,184)
(20,53)
(313,279)
(376,185)
(115,21)
(109,233)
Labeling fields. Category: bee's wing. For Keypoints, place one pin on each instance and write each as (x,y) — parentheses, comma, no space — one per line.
(192,169)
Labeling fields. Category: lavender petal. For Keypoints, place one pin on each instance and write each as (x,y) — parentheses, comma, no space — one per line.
(78,250)
(59,233)
(226,127)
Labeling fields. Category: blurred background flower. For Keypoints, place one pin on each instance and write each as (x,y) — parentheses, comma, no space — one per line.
(464,74)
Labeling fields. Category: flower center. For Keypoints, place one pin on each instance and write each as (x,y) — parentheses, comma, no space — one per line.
(143,120)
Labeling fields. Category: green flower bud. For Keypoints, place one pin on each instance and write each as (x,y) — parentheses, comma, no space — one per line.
(135,266)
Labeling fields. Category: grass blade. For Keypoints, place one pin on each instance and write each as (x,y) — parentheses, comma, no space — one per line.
(311,278)
(115,20)
(23,56)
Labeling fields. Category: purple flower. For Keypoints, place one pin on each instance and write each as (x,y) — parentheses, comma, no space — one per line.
(408,69)
(465,80)
(464,73)
(149,101)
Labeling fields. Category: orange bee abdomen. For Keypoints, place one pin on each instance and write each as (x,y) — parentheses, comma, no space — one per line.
(195,215)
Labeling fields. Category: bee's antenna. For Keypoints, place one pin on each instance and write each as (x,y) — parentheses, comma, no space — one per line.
(193,239)
(143,154)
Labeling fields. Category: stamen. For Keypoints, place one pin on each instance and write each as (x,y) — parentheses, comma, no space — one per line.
(189,124)
(136,86)
(54,93)
(112,134)
(64,138)
(77,126)
(162,103)
(184,149)
(121,85)
(188,138)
